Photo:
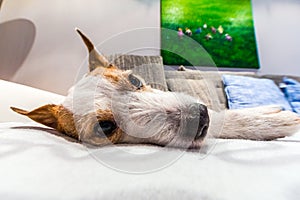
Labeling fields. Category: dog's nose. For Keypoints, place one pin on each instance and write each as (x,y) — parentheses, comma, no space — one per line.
(198,121)
(203,122)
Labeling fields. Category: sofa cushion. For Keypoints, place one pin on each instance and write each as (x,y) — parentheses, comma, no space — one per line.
(278,78)
(200,84)
(292,92)
(206,86)
(202,89)
(247,92)
(150,68)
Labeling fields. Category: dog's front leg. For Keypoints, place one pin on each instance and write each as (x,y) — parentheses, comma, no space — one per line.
(260,123)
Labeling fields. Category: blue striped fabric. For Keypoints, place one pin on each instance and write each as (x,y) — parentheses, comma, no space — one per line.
(292,93)
(248,92)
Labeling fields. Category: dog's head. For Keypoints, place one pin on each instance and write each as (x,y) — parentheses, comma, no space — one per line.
(110,106)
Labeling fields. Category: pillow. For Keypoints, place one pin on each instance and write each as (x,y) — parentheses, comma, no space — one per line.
(206,86)
(291,90)
(201,89)
(192,81)
(247,92)
(25,97)
(290,81)
(150,68)
(278,78)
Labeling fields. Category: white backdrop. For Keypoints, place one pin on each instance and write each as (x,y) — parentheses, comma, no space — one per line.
(58,52)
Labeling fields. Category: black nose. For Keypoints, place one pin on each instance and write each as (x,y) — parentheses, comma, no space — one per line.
(197,122)
(203,122)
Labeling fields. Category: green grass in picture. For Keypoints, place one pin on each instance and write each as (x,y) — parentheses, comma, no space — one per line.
(224,28)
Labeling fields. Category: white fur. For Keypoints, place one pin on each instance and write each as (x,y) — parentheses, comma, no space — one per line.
(158,117)
(260,123)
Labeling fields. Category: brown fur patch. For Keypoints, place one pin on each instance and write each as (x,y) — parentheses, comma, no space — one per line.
(54,116)
(66,122)
(103,115)
(110,75)
(90,137)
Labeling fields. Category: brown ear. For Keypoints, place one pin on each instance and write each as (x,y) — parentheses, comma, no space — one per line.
(95,58)
(54,116)
(46,115)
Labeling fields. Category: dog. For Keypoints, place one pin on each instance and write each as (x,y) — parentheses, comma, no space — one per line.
(111,106)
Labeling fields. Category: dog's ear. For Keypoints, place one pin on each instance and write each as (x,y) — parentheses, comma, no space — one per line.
(95,58)
(54,116)
(46,115)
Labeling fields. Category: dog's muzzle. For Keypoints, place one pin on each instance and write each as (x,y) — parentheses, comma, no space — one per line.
(203,122)
(197,122)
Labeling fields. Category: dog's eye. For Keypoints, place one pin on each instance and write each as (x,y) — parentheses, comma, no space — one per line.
(105,128)
(135,81)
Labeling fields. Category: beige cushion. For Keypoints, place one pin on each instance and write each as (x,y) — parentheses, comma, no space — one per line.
(203,90)
(150,68)
(204,85)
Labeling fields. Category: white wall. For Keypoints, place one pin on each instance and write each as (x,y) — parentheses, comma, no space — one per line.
(58,53)
(277,25)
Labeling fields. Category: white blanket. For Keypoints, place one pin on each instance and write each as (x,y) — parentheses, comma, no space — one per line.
(37,165)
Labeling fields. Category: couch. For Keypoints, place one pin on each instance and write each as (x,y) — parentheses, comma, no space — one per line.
(38,165)
(208,86)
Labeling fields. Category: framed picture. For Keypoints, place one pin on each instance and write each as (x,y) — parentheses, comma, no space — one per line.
(208,33)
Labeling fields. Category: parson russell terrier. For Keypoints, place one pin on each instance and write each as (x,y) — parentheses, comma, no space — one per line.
(112,106)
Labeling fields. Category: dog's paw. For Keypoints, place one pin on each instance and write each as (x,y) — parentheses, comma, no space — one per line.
(275,123)
(270,109)
(262,109)
(265,123)
(285,119)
